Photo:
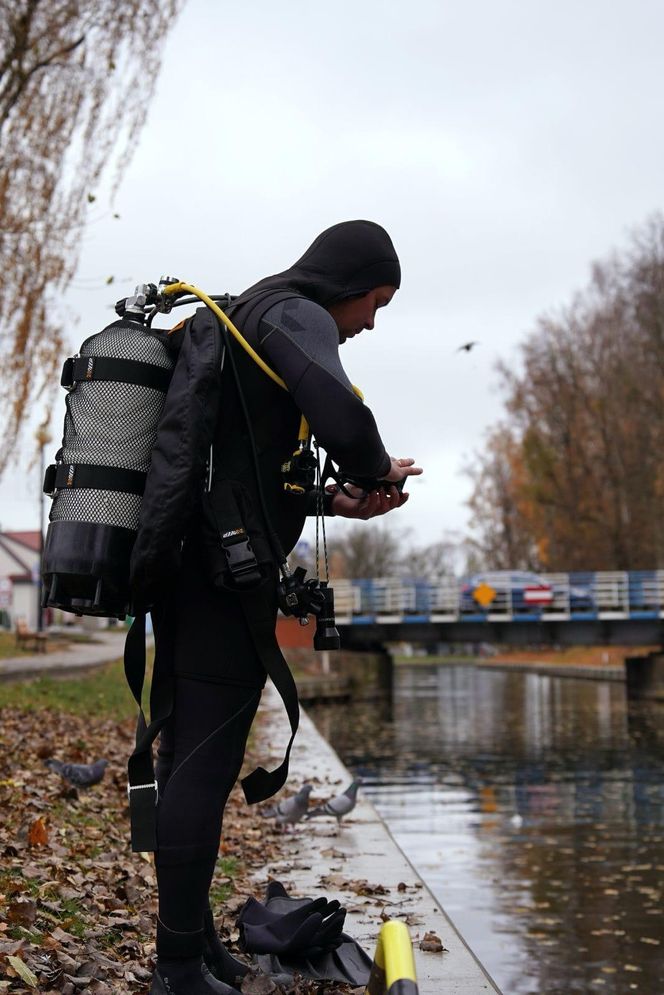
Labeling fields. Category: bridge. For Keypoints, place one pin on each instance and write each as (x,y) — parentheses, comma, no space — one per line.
(615,607)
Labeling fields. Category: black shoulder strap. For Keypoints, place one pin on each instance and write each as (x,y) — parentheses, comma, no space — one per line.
(142,786)
(254,307)
(259,613)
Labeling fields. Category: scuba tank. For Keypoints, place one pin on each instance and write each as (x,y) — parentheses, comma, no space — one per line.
(116,389)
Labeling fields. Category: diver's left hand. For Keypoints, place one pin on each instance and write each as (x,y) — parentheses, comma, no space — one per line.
(365,505)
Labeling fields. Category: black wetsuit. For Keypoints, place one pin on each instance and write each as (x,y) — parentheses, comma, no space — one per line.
(219,675)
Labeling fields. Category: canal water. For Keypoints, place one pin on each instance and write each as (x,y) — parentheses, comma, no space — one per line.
(533,807)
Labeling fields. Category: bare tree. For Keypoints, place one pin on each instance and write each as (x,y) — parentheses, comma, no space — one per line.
(75,83)
(574,478)
(367,550)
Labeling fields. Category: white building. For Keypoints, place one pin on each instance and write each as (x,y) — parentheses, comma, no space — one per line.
(19,576)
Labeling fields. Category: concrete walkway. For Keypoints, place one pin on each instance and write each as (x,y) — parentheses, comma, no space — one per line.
(360,864)
(108,645)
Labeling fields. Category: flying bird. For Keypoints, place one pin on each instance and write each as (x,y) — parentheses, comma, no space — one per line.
(339,806)
(80,775)
(467,346)
(291,809)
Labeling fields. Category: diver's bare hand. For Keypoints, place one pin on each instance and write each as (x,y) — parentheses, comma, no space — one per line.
(402,468)
(364,504)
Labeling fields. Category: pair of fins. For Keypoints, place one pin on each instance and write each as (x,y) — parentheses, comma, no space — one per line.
(288,936)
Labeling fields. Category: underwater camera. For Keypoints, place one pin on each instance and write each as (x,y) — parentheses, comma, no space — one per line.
(301,598)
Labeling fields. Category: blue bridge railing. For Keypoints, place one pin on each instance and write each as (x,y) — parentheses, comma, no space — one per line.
(557,597)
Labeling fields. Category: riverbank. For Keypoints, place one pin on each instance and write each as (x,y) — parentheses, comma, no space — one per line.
(590,662)
(77,909)
(359,863)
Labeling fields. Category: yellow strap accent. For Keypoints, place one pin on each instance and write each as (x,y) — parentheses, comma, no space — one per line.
(303,435)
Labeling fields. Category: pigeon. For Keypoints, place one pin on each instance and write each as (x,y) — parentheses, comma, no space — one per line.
(80,775)
(467,346)
(290,809)
(339,806)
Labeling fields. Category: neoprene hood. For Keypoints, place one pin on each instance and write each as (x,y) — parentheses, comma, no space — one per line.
(347,260)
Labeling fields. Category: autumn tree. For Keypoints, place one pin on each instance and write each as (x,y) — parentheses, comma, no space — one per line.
(574,479)
(75,83)
(502,532)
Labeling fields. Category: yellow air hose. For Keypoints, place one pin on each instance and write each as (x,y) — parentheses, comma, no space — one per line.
(188,288)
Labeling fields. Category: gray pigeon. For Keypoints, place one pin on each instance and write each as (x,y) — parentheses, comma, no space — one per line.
(339,806)
(80,775)
(290,809)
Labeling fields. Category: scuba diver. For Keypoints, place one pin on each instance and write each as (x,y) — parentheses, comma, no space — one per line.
(295,321)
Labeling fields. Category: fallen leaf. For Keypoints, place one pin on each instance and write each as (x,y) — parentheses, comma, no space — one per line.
(38,833)
(431,943)
(23,971)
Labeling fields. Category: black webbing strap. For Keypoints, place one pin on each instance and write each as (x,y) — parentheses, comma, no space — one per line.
(84,369)
(259,613)
(142,787)
(64,476)
(238,548)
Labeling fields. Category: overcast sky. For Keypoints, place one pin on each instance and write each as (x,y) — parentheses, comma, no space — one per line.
(504,146)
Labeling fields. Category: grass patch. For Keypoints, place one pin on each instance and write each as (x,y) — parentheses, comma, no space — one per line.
(102,692)
(220,891)
(227,866)
(73,919)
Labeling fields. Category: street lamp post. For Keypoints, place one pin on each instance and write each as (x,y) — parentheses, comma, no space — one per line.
(43,438)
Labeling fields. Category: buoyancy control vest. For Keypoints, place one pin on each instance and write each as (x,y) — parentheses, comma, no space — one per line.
(116,388)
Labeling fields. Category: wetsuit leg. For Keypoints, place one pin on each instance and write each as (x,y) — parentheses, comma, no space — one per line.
(204,742)
(218,681)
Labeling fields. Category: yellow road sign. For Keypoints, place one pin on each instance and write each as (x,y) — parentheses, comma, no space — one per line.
(484,594)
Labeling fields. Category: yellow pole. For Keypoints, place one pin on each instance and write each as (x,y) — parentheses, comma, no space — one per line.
(393,970)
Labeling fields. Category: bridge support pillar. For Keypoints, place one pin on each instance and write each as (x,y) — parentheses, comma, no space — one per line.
(645,676)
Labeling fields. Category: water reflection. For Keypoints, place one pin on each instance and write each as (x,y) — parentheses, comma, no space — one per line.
(534,808)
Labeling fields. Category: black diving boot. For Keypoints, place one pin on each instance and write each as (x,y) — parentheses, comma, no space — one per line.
(223,965)
(187,977)
(181,969)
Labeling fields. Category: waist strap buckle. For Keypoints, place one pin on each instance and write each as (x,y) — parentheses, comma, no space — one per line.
(241,558)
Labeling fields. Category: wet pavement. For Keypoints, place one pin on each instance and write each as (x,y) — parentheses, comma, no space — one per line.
(533,807)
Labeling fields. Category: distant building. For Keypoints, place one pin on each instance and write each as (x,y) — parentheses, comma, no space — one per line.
(19,577)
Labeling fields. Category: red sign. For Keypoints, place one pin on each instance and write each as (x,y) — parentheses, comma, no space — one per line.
(538,595)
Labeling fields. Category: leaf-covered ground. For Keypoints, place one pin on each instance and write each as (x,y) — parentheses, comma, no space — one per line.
(77,908)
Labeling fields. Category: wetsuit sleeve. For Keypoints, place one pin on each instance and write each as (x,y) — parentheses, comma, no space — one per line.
(301,342)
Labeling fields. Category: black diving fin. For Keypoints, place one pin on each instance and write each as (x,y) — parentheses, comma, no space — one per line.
(348,963)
